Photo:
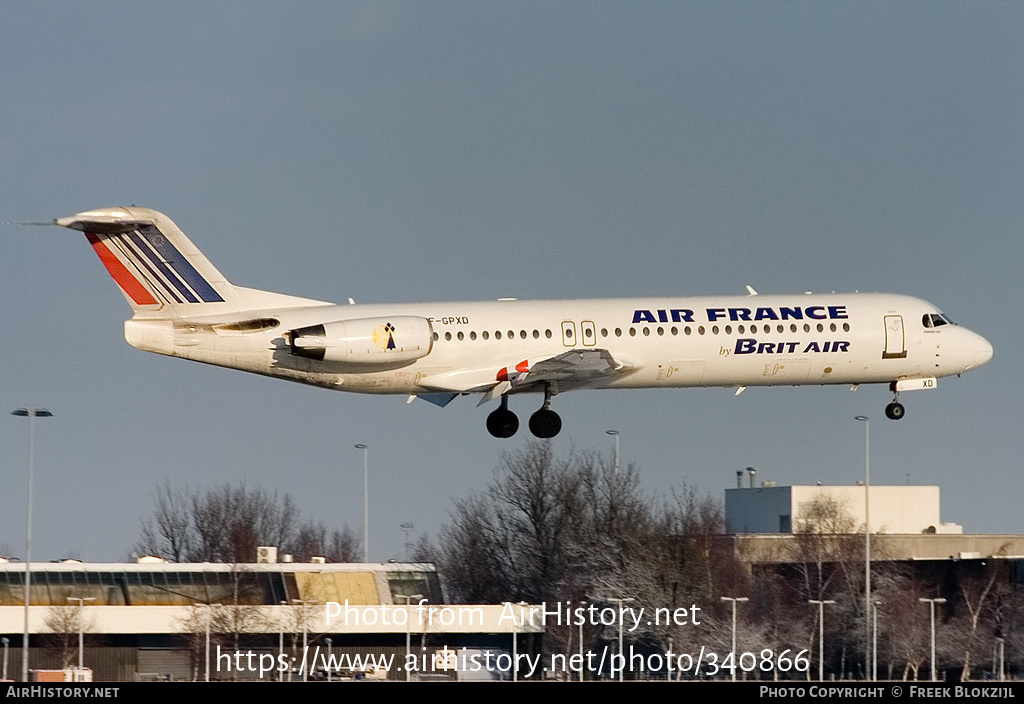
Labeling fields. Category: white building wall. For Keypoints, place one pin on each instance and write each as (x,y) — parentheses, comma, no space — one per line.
(894,509)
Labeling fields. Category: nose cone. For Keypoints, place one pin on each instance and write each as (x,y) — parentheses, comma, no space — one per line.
(982,351)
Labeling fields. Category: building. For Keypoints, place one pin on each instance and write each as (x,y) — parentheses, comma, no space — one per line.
(149,621)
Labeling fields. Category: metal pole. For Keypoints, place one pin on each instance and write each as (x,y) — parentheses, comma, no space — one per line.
(329,659)
(366,502)
(408,630)
(931,605)
(582,604)
(734,600)
(81,625)
(867,542)
(615,434)
(31,413)
(874,641)
(821,635)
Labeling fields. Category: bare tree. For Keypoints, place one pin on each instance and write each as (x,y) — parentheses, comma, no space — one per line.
(228,523)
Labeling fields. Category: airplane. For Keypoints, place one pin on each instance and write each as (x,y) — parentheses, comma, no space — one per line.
(184,307)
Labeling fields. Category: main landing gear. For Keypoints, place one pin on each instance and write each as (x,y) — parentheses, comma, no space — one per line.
(545,423)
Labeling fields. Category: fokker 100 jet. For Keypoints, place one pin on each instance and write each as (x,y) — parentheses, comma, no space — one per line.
(183,307)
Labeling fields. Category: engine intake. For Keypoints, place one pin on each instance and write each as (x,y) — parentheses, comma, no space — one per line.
(403,338)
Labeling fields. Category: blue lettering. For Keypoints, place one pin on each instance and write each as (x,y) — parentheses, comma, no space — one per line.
(739,314)
(681,315)
(744,346)
(840,346)
(662,318)
(837,312)
(812,347)
(810,312)
(765,314)
(791,313)
(643,316)
(766,347)
(714,314)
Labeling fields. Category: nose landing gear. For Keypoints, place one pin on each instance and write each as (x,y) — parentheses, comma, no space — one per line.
(895,410)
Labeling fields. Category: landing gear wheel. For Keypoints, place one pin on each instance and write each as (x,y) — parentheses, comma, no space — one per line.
(502,423)
(545,423)
(894,411)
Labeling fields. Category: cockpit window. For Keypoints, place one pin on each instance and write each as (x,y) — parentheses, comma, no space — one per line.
(934,320)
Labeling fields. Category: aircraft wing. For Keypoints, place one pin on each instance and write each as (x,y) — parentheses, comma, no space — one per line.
(571,369)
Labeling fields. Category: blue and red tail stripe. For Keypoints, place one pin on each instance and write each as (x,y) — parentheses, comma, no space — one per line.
(159,261)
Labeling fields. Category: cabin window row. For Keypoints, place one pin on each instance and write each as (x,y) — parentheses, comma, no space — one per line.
(646,331)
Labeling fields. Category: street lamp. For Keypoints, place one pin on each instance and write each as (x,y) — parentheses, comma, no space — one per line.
(821,634)
(32,414)
(5,642)
(366,502)
(209,619)
(874,640)
(407,528)
(408,630)
(622,663)
(734,599)
(867,541)
(81,624)
(615,434)
(304,605)
(931,605)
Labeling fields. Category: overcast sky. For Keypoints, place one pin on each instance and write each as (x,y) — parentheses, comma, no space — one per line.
(462,151)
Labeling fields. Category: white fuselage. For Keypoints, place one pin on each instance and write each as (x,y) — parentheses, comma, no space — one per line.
(659,342)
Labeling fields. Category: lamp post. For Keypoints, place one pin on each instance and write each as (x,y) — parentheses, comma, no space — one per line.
(329,658)
(821,634)
(622,664)
(81,626)
(304,605)
(867,541)
(615,434)
(366,501)
(209,618)
(5,642)
(407,528)
(931,605)
(408,630)
(874,640)
(31,414)
(734,599)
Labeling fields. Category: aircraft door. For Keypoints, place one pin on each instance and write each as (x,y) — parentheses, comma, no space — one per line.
(895,340)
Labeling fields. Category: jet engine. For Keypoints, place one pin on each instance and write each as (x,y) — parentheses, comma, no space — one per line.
(402,338)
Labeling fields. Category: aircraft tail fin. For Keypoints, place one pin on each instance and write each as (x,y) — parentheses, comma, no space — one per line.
(158,269)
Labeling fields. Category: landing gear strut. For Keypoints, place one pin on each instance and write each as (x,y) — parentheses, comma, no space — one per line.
(545,423)
(502,423)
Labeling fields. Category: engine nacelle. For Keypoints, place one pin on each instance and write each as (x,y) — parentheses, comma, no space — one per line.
(403,338)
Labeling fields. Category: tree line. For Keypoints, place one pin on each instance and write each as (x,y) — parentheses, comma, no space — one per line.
(577,530)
